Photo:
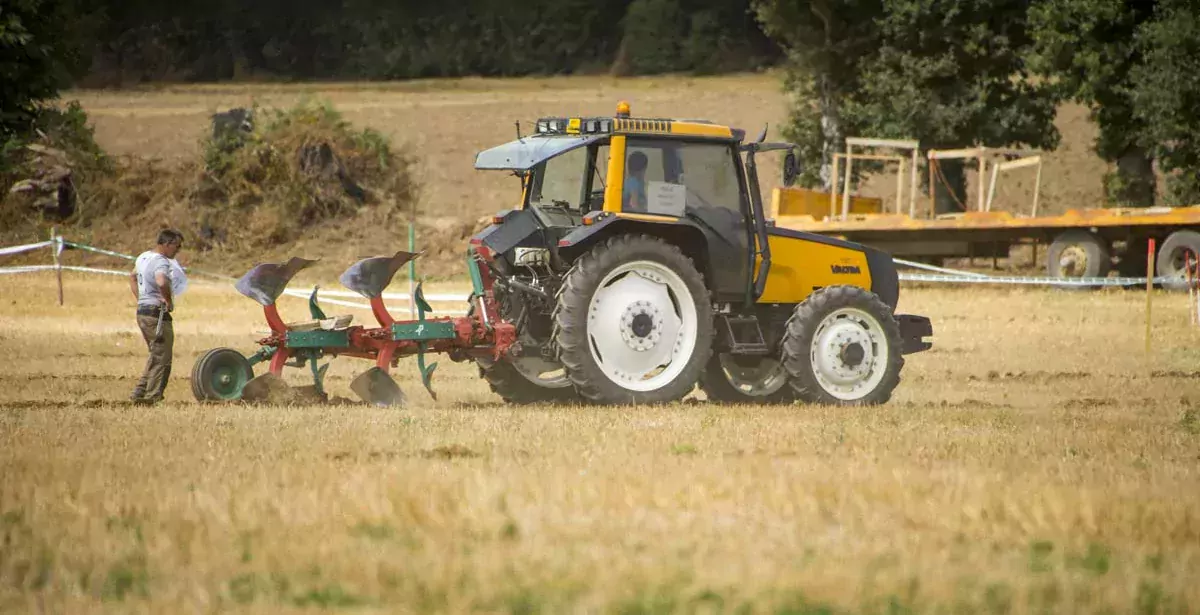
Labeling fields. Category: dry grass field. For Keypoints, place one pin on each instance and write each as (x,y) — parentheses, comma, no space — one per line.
(1034,461)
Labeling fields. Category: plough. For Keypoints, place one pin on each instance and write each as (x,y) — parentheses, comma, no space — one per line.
(224,374)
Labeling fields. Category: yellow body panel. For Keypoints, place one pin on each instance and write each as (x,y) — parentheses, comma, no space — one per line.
(614,183)
(671,127)
(701,130)
(799,266)
(805,202)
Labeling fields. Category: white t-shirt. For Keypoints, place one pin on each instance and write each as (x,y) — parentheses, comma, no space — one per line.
(147,265)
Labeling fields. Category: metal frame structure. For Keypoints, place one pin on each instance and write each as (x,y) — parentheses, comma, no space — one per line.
(850,156)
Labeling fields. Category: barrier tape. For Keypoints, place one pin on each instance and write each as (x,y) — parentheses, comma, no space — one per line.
(129,257)
(32,268)
(365,306)
(24,248)
(955,272)
(1033,281)
(946,276)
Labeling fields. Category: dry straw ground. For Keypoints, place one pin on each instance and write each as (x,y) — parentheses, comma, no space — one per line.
(1034,461)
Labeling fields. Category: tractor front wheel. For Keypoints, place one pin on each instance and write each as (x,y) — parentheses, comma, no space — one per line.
(633,322)
(220,374)
(842,347)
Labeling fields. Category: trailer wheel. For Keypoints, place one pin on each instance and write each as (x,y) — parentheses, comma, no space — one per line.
(1172,258)
(1078,254)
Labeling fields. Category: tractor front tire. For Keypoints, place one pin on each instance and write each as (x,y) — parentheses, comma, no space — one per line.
(633,324)
(515,387)
(735,379)
(842,348)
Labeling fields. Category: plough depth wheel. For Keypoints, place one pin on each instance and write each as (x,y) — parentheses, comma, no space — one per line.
(220,374)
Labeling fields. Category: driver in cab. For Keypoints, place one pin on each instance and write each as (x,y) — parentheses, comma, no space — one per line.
(634,194)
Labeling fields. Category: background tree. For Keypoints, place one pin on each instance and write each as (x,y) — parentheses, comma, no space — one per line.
(949,73)
(38,57)
(1088,49)
(1165,96)
(826,42)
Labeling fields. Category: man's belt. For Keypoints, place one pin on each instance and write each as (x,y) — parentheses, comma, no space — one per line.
(153,310)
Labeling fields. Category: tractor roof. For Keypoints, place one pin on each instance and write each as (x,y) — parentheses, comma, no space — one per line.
(556,135)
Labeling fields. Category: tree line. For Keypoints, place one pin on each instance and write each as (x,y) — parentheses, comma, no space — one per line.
(951,73)
(129,41)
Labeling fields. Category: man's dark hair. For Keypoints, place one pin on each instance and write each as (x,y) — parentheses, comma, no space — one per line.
(168,236)
(637,161)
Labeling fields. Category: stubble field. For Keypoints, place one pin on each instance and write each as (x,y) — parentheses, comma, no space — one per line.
(1036,460)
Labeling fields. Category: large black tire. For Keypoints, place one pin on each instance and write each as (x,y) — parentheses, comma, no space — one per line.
(220,374)
(1172,258)
(513,387)
(761,388)
(571,319)
(813,316)
(1078,254)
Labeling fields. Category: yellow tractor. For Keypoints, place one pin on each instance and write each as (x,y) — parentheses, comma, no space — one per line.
(639,263)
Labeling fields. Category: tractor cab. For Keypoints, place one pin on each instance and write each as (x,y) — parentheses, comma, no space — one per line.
(588,171)
(663,166)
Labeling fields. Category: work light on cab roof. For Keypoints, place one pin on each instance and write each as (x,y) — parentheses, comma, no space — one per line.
(637,264)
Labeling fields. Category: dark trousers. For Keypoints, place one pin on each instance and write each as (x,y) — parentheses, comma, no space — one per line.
(158,365)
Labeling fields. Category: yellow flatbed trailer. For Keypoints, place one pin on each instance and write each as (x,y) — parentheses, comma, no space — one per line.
(1080,242)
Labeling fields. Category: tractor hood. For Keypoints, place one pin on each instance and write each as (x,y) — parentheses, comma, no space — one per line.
(528,152)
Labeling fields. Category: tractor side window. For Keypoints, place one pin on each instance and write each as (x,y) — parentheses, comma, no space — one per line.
(558,182)
(645,171)
(709,172)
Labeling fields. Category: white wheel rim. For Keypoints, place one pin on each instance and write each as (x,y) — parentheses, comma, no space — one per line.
(763,379)
(841,370)
(544,373)
(642,326)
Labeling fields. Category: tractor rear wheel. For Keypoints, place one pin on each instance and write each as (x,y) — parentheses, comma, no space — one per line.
(633,322)
(527,381)
(842,347)
(220,374)
(746,380)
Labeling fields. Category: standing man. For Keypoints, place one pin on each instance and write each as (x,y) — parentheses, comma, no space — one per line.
(150,282)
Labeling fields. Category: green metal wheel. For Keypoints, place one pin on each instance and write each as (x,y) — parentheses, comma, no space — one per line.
(220,374)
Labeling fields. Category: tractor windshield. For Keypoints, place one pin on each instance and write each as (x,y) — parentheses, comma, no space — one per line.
(572,180)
